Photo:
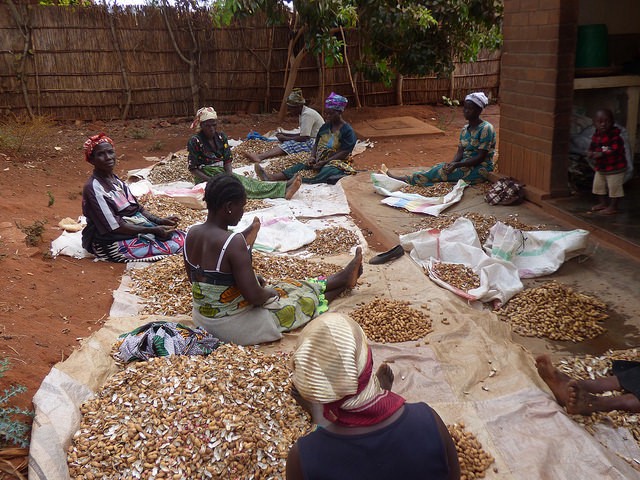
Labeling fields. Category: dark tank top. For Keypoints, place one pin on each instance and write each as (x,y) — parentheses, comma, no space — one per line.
(408,449)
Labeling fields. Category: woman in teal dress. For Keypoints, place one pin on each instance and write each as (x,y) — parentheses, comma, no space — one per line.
(210,155)
(331,155)
(474,159)
(229,300)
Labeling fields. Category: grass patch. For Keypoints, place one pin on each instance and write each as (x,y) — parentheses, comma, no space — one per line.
(12,430)
(33,233)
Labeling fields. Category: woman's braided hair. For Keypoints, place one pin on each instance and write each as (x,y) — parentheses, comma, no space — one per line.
(221,189)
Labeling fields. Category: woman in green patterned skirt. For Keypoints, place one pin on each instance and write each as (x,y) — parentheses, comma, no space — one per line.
(229,300)
(210,155)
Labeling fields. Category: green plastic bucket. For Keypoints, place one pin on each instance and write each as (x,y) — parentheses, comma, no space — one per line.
(593,46)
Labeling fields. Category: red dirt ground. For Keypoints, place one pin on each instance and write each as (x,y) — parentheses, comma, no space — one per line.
(47,304)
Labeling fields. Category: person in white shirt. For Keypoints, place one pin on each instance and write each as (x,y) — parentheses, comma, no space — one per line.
(310,123)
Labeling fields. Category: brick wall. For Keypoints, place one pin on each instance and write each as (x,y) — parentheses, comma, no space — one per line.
(536,92)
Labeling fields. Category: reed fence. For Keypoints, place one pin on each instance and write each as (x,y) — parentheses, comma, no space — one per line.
(103,63)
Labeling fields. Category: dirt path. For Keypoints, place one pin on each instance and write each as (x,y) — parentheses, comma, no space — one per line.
(47,304)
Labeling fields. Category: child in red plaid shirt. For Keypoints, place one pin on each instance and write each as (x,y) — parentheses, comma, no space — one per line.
(607,150)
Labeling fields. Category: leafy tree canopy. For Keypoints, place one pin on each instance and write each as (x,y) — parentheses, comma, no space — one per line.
(398,37)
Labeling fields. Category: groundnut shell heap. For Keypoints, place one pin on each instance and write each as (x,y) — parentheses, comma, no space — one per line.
(391,321)
(474,461)
(228,415)
(457,275)
(278,267)
(163,287)
(439,189)
(174,168)
(555,311)
(164,206)
(333,240)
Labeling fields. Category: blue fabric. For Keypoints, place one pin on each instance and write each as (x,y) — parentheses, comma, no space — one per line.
(409,448)
(255,135)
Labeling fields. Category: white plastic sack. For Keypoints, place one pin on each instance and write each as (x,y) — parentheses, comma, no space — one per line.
(279,230)
(534,253)
(412,202)
(499,279)
(69,244)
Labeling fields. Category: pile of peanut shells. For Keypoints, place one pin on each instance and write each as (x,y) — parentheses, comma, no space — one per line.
(391,321)
(252,145)
(163,287)
(457,275)
(555,311)
(174,168)
(591,367)
(164,206)
(226,415)
(439,189)
(277,267)
(333,240)
(474,461)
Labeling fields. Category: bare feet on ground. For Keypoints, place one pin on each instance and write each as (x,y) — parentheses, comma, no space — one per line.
(598,207)
(260,172)
(252,234)
(556,380)
(580,401)
(252,157)
(383,169)
(293,188)
(354,268)
(385,376)
(608,211)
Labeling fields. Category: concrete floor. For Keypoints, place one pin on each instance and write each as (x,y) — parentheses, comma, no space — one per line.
(603,271)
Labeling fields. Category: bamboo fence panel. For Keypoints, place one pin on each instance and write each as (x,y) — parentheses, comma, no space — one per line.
(94,63)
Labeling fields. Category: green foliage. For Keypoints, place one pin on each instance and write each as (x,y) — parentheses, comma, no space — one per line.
(449,102)
(12,430)
(415,37)
(421,37)
(33,233)
(137,133)
(52,199)
(66,3)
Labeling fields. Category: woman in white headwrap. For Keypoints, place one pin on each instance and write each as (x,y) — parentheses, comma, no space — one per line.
(210,155)
(474,158)
(364,429)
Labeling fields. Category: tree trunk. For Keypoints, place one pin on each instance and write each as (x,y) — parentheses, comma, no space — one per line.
(295,61)
(399,79)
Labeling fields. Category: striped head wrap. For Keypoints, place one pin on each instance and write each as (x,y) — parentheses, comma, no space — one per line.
(336,102)
(202,115)
(93,142)
(478,98)
(295,98)
(333,365)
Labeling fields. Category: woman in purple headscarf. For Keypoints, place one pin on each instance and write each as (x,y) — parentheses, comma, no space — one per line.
(330,157)
(474,158)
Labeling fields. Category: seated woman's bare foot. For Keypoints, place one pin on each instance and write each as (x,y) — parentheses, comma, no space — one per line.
(293,188)
(385,376)
(252,157)
(580,401)
(354,269)
(608,211)
(260,172)
(554,378)
(383,169)
(252,232)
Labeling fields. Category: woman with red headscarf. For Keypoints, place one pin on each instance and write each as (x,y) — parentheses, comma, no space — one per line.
(118,228)
(364,429)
